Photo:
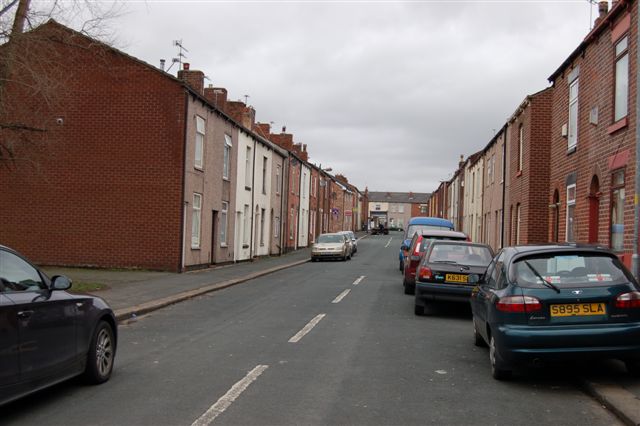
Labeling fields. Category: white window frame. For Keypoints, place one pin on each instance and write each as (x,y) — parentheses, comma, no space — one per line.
(276,227)
(571,202)
(196,220)
(278,179)
(226,166)
(265,164)
(246,226)
(262,222)
(574,89)
(248,165)
(621,90)
(199,143)
(224,218)
(520,147)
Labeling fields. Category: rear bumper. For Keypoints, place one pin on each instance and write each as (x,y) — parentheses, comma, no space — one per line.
(426,292)
(525,343)
(327,255)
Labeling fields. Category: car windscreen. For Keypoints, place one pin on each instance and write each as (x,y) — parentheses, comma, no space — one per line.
(426,240)
(569,270)
(330,239)
(413,229)
(463,254)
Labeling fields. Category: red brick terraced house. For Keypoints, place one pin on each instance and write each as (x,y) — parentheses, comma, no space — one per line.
(593,130)
(527,171)
(134,169)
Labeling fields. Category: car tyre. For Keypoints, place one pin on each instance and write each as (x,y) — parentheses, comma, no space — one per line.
(401,268)
(418,310)
(498,371)
(633,367)
(478,340)
(102,351)
(408,288)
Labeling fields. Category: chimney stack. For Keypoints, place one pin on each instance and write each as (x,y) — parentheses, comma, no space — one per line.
(217,96)
(603,9)
(195,79)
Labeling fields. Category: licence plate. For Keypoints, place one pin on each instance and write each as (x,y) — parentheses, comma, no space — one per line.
(456,278)
(578,309)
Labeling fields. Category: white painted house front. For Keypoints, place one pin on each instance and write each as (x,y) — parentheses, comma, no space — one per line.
(303,213)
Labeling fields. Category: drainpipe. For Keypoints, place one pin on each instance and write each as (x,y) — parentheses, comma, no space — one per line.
(504,180)
(636,223)
(253,192)
(185,203)
(299,207)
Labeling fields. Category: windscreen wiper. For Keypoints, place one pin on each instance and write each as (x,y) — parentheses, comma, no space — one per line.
(451,262)
(545,282)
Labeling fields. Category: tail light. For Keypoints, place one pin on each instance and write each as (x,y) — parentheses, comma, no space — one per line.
(518,304)
(416,251)
(628,300)
(425,273)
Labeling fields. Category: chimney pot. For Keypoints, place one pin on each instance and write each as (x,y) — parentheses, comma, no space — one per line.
(603,8)
(284,129)
(185,66)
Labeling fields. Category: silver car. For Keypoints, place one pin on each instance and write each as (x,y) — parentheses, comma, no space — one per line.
(352,239)
(331,246)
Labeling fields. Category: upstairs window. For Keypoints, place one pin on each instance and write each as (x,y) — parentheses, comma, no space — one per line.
(573,115)
(199,148)
(247,171)
(621,105)
(520,146)
(227,157)
(278,178)
(265,162)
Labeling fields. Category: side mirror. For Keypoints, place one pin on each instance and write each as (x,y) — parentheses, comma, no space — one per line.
(60,282)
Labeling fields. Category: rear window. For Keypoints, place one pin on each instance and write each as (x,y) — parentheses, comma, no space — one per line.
(413,229)
(472,255)
(330,239)
(568,270)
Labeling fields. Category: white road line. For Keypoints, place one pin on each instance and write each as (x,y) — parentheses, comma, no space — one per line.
(307,328)
(388,242)
(227,399)
(359,280)
(341,296)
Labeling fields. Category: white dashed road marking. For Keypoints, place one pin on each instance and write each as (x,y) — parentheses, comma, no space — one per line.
(341,296)
(359,280)
(307,328)
(389,242)
(227,399)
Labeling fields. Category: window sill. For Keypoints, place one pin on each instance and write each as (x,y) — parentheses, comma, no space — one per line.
(618,125)
(245,246)
(519,173)
(571,150)
(226,179)
(195,247)
(248,188)
(224,245)
(200,169)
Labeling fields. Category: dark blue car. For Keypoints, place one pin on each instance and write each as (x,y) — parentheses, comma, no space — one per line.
(555,302)
(419,224)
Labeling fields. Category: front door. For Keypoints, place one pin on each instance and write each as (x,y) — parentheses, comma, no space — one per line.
(46,320)
(9,361)
(214,221)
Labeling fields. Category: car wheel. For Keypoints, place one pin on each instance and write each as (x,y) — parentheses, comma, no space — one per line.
(478,340)
(401,268)
(497,369)
(101,354)
(633,367)
(418,310)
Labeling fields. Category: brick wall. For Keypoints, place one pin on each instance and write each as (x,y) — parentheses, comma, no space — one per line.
(106,187)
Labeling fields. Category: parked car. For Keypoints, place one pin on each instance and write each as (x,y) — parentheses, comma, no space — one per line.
(331,246)
(538,303)
(417,225)
(416,250)
(354,240)
(58,335)
(444,272)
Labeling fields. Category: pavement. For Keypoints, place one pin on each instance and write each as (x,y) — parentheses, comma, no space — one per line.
(132,293)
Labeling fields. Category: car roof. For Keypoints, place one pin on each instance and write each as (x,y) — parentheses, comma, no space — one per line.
(443,233)
(458,243)
(552,247)
(437,221)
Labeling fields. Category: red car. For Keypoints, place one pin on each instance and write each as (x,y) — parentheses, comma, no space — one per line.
(416,249)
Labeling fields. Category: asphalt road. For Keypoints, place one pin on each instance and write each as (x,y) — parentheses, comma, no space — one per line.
(241,356)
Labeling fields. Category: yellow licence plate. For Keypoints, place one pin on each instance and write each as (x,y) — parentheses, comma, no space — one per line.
(578,309)
(455,278)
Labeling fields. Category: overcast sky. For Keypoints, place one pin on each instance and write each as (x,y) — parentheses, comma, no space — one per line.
(389,94)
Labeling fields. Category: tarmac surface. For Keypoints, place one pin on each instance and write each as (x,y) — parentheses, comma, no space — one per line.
(132,293)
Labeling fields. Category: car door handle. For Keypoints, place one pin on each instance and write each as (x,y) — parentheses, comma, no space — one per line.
(25,314)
